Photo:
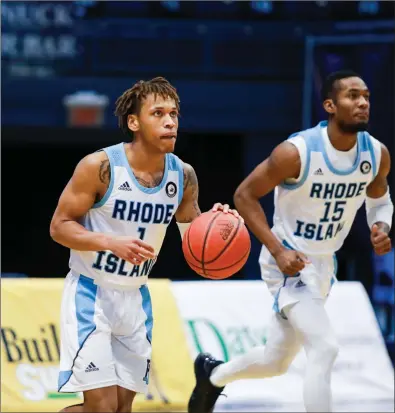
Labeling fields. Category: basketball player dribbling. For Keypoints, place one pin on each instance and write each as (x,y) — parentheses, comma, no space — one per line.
(321,177)
(113,215)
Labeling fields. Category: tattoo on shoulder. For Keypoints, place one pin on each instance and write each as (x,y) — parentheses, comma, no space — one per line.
(186,178)
(190,179)
(105,171)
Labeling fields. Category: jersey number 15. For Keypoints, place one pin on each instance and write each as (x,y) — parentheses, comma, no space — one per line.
(337,211)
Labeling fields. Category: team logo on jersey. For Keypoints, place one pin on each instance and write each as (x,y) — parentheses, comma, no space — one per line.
(171,189)
(365,167)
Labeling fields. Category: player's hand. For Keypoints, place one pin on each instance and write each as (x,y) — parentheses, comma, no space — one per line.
(132,250)
(226,210)
(291,262)
(380,240)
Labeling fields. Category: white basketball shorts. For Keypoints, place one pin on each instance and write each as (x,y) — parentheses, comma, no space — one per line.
(105,336)
(314,281)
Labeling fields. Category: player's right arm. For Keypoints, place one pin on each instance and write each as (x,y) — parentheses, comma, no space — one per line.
(90,180)
(283,163)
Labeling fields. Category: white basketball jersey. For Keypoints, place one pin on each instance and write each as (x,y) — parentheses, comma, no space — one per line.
(314,215)
(129,209)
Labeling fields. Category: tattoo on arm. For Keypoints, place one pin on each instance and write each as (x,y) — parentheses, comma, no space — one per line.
(190,218)
(105,172)
(186,179)
(192,182)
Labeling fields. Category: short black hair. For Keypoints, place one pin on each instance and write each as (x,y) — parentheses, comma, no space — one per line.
(329,87)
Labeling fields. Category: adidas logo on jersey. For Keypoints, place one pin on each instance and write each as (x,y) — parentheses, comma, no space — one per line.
(318,172)
(125,187)
(91,367)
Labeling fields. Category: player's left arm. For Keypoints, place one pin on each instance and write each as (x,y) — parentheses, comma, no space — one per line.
(189,208)
(379,207)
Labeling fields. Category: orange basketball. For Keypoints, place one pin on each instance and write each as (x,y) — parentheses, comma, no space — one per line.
(216,245)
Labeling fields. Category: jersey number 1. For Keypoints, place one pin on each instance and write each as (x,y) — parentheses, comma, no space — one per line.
(141,231)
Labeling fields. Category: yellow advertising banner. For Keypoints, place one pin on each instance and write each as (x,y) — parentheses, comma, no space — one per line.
(30,342)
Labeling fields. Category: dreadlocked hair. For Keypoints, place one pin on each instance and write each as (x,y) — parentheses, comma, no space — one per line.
(131,100)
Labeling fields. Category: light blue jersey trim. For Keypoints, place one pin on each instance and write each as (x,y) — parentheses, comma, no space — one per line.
(276,307)
(172,162)
(345,171)
(372,154)
(364,142)
(111,152)
(135,181)
(335,265)
(277,296)
(306,169)
(180,170)
(334,276)
(304,176)
(147,307)
(175,164)
(315,143)
(360,137)
(64,377)
(85,299)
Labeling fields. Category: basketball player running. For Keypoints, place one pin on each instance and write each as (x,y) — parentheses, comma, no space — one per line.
(113,215)
(321,177)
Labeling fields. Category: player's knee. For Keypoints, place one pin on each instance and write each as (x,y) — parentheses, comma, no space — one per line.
(325,350)
(101,405)
(125,407)
(125,400)
(73,408)
(269,368)
(330,346)
(283,367)
(331,349)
